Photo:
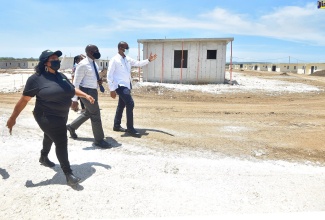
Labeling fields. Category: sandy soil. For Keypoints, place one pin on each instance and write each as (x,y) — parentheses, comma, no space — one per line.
(200,154)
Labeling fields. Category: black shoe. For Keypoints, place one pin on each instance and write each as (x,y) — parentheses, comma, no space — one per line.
(133,132)
(72,132)
(44,160)
(71,179)
(119,129)
(102,144)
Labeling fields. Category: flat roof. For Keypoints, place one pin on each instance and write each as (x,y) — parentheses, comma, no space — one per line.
(228,39)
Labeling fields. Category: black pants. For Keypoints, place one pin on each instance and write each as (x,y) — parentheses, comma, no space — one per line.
(125,101)
(55,130)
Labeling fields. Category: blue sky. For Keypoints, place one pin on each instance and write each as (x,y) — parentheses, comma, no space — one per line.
(263,30)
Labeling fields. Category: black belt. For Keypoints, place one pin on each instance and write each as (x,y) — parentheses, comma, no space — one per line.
(85,88)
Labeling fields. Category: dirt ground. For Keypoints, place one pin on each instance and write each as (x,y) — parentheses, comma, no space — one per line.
(284,127)
(250,126)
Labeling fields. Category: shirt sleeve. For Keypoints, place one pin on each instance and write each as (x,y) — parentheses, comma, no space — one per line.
(78,76)
(73,70)
(31,88)
(134,62)
(110,75)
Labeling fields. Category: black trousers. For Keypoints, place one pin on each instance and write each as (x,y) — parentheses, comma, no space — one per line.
(125,101)
(55,130)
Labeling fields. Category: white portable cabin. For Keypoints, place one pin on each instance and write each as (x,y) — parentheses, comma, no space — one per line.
(188,61)
(311,68)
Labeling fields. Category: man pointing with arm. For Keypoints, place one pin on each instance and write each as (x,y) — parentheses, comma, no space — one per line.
(120,83)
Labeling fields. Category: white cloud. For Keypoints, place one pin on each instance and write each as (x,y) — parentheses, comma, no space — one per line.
(296,23)
(292,23)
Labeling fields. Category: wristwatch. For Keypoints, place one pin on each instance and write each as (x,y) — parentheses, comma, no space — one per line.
(149,60)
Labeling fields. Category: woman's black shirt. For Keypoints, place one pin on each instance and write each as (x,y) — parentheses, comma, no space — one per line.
(53,93)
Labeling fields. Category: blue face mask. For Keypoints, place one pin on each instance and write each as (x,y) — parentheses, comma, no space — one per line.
(126,52)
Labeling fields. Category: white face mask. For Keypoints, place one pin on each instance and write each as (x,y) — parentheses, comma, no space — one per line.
(126,52)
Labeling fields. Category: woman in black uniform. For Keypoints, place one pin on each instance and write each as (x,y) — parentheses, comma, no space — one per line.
(53,93)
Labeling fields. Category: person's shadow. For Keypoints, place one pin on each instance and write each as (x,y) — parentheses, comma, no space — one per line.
(4,173)
(145,132)
(83,171)
(110,140)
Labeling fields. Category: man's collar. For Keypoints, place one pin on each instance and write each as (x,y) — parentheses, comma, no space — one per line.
(121,56)
(89,59)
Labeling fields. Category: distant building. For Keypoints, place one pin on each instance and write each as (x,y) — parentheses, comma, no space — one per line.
(17,64)
(310,68)
(300,68)
(189,61)
(67,63)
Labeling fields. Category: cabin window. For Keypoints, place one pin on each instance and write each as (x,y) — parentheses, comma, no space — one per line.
(178,59)
(211,54)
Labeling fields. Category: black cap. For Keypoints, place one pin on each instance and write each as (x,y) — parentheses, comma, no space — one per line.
(47,53)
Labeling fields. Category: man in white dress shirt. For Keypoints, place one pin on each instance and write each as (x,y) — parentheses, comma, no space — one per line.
(85,78)
(120,82)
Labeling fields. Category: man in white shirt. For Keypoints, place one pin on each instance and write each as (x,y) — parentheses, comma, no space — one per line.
(120,82)
(85,78)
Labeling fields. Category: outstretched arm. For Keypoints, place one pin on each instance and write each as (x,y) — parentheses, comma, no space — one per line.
(142,62)
(21,104)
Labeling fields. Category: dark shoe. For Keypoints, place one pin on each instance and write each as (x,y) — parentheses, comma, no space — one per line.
(72,132)
(102,144)
(133,132)
(71,179)
(44,160)
(119,129)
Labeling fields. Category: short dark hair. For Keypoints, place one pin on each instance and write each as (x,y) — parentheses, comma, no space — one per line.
(121,43)
(75,59)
